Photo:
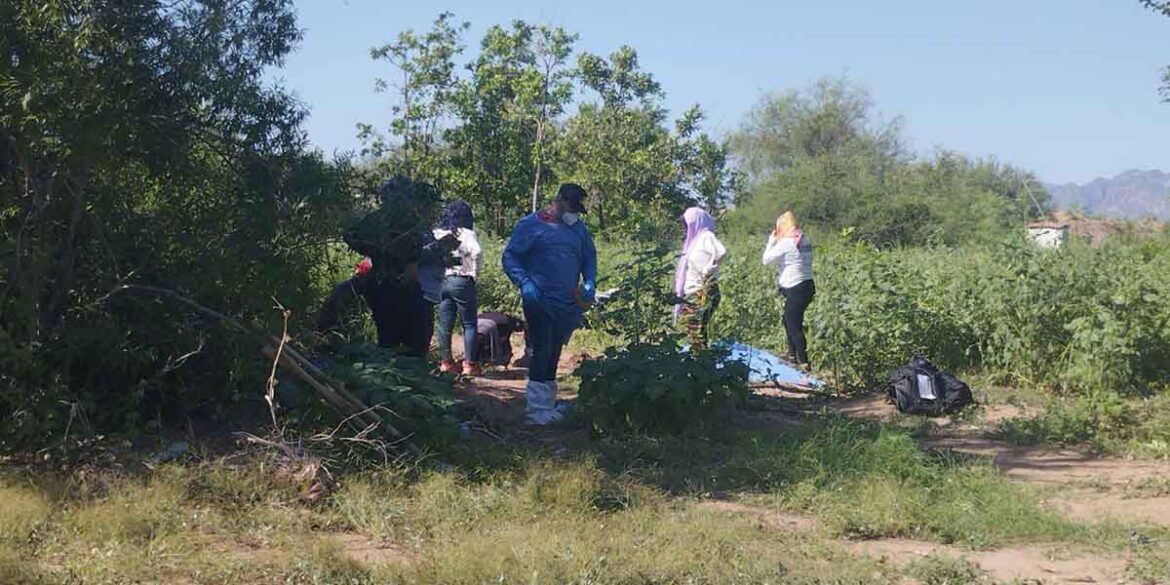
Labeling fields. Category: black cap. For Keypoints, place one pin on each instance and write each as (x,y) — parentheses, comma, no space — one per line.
(574,195)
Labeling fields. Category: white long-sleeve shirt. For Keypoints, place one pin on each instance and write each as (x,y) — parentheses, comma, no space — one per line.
(794,263)
(469,254)
(703,261)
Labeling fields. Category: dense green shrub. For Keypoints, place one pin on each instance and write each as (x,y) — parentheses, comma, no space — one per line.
(1078,318)
(144,144)
(653,388)
(496,292)
(1094,416)
(402,389)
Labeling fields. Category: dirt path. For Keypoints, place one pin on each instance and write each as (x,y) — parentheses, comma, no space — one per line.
(1087,486)
(764,517)
(1084,486)
(1124,505)
(1030,564)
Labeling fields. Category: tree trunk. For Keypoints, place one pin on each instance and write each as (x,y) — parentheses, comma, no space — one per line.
(539,161)
(599,198)
(56,296)
(539,146)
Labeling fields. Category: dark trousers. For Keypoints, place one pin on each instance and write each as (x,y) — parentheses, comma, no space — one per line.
(547,336)
(458,299)
(796,301)
(403,317)
(345,297)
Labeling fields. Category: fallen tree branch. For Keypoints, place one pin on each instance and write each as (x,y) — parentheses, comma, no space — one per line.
(296,363)
(270,390)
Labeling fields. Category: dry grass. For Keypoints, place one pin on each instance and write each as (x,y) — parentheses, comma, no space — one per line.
(22,512)
(605,518)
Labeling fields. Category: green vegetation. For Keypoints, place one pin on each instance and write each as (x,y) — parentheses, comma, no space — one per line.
(619,511)
(943,570)
(163,216)
(1077,320)
(495,130)
(862,480)
(823,153)
(140,145)
(650,387)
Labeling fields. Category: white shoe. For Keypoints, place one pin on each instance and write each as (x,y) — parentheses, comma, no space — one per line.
(541,404)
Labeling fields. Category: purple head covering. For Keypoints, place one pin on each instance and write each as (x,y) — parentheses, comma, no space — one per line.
(456,214)
(697,221)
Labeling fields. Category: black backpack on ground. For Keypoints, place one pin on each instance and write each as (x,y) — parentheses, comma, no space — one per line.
(921,388)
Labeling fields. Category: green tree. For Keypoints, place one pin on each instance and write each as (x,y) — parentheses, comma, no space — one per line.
(426,84)
(553,48)
(516,88)
(1164,8)
(140,145)
(706,164)
(821,152)
(833,117)
(824,154)
(618,147)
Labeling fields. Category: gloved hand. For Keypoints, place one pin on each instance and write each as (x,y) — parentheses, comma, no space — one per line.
(529,292)
(589,292)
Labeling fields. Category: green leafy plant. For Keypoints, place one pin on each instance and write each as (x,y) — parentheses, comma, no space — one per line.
(640,309)
(400,389)
(653,388)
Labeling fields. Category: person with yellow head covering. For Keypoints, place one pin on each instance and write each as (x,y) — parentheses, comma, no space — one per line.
(791,252)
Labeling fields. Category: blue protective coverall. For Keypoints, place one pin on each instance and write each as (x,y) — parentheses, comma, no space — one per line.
(554,257)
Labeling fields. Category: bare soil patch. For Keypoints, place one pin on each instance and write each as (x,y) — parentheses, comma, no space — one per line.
(1083,505)
(764,517)
(1030,564)
(368,551)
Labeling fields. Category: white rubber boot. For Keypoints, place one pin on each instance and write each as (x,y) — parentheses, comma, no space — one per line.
(541,403)
(562,406)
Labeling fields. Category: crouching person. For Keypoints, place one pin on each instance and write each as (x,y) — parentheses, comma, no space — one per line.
(549,255)
(493,338)
(345,299)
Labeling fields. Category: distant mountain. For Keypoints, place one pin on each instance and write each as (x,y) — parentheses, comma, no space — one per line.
(1130,195)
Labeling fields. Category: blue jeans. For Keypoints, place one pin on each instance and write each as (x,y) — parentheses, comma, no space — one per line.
(547,336)
(458,298)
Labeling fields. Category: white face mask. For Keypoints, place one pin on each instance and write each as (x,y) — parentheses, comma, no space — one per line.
(570,218)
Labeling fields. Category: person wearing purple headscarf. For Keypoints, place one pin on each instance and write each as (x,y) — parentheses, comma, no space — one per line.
(458,296)
(696,280)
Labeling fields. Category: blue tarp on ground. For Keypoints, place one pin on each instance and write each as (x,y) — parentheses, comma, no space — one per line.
(766,367)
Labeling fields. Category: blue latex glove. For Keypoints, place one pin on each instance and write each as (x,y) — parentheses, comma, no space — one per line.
(530,293)
(589,291)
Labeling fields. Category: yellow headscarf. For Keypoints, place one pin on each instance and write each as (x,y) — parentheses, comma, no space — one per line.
(786,226)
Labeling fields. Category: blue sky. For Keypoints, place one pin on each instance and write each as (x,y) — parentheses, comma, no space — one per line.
(1067,88)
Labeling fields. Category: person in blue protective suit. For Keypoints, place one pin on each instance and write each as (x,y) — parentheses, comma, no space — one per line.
(551,258)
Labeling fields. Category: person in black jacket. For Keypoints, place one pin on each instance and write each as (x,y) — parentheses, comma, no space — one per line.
(346,296)
(397,237)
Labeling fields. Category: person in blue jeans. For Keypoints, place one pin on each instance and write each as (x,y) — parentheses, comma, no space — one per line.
(458,297)
(552,259)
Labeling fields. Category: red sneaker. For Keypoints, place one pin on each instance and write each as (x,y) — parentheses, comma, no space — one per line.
(447,367)
(470,369)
